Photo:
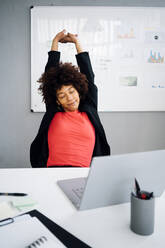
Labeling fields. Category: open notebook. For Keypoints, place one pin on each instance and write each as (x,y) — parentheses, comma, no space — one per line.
(27,232)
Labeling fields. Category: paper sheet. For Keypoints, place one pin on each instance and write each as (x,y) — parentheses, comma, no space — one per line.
(22,233)
(7,211)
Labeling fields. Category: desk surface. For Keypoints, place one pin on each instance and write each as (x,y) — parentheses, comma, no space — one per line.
(102,227)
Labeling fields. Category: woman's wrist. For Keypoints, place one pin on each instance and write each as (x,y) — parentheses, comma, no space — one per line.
(78,47)
(54,46)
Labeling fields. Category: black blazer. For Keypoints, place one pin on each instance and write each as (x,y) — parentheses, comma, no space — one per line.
(39,148)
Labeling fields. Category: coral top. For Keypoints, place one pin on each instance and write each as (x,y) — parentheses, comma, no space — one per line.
(71,139)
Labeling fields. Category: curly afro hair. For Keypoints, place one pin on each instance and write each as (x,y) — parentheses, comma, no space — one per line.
(56,77)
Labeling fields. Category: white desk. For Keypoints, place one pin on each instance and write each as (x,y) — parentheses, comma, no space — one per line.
(100,228)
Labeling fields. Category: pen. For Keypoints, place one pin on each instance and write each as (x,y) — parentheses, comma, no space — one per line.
(137,187)
(13,194)
(142,194)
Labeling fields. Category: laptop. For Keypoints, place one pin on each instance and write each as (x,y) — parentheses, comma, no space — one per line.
(111,179)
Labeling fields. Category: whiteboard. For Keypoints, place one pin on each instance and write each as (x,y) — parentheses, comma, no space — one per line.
(126,47)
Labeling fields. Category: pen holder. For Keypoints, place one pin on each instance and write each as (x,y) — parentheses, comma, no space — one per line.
(142,215)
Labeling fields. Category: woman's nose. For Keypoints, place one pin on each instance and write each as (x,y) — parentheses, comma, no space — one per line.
(69,97)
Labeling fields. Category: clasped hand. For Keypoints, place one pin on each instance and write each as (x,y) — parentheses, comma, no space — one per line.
(64,37)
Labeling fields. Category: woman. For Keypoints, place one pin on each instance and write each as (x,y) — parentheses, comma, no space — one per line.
(70,133)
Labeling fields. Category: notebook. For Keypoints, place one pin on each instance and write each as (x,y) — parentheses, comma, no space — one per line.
(111,179)
(27,231)
(41,230)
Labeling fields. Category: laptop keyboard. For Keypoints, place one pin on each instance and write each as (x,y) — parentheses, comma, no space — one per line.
(78,192)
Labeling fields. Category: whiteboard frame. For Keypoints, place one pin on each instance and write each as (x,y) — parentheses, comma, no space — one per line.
(116,106)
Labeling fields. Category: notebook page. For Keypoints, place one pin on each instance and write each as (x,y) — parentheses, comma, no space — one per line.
(23,233)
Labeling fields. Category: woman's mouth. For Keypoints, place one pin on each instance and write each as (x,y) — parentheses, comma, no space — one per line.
(72,103)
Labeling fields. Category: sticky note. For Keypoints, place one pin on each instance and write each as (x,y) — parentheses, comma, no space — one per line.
(23,202)
(7,210)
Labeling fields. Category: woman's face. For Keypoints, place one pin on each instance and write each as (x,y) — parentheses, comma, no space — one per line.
(68,97)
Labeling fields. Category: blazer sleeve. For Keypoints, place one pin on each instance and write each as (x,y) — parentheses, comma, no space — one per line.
(84,63)
(53,59)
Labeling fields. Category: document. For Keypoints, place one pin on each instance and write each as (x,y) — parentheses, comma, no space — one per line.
(25,232)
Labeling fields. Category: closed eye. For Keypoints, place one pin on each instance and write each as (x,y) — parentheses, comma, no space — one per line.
(61,96)
(71,92)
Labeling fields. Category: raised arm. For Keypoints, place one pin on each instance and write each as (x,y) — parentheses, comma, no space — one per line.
(54,55)
(58,38)
(82,57)
(72,38)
